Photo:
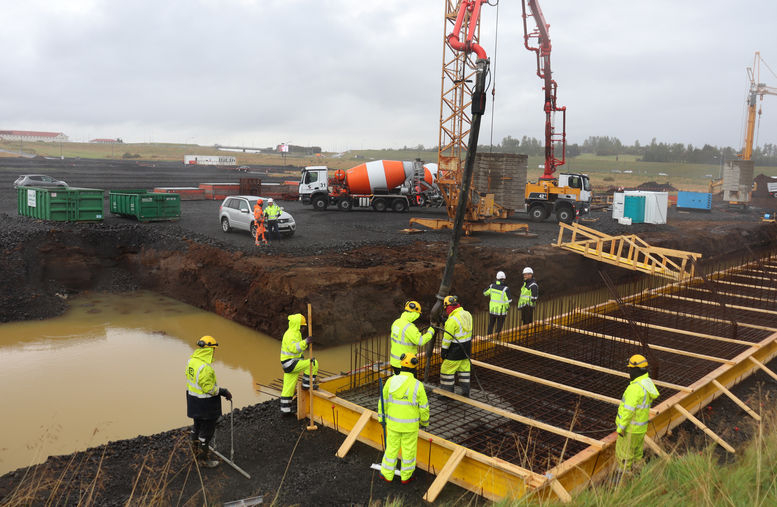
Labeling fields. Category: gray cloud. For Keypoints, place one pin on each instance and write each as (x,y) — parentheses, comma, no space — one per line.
(351,74)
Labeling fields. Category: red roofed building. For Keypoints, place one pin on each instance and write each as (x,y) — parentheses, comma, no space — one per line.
(31,135)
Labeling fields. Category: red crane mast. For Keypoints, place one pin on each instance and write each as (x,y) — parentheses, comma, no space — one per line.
(542,49)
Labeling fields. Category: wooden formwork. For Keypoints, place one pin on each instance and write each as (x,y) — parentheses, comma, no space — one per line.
(628,252)
(497,479)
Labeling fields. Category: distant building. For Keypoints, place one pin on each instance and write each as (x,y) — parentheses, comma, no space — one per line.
(31,136)
(290,148)
(106,141)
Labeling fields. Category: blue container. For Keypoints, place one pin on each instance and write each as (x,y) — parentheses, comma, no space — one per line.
(694,200)
(634,208)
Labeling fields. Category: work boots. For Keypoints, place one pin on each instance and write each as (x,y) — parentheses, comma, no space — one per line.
(464,389)
(203,459)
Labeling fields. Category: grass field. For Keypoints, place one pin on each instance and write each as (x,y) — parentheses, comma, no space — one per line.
(604,171)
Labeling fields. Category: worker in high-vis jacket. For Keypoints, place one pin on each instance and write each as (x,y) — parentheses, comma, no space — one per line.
(403,407)
(292,347)
(530,291)
(634,413)
(272,214)
(259,221)
(405,336)
(456,347)
(500,299)
(203,399)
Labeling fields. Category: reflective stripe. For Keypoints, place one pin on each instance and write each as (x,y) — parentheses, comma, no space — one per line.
(425,405)
(628,407)
(620,426)
(196,395)
(395,401)
(638,423)
(401,339)
(395,357)
(288,362)
(390,461)
(395,419)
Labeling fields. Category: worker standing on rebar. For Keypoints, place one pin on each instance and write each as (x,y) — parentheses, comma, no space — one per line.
(203,399)
(272,214)
(259,221)
(405,407)
(405,336)
(456,347)
(530,291)
(292,347)
(634,413)
(500,301)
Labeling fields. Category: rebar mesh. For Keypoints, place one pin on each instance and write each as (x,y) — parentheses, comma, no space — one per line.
(598,329)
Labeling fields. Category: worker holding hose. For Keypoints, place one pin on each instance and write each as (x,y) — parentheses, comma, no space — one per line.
(634,414)
(292,347)
(203,399)
(405,336)
(456,346)
(405,407)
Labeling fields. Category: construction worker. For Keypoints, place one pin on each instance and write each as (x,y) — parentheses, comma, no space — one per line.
(403,407)
(405,336)
(259,221)
(292,347)
(456,346)
(203,399)
(530,291)
(272,214)
(634,413)
(500,301)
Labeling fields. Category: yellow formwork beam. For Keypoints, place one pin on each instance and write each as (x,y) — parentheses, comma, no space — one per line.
(628,252)
(490,477)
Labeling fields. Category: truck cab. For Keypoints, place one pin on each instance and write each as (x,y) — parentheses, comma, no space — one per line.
(313,186)
(567,196)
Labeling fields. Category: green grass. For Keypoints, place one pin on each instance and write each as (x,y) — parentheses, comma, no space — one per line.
(692,477)
(693,177)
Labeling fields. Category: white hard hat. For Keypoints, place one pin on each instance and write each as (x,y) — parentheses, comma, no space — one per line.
(528,271)
(500,275)
(270,200)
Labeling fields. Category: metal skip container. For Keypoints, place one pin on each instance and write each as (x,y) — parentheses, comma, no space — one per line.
(60,204)
(145,206)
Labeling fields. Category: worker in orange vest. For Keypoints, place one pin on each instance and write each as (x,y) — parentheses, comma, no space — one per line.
(259,220)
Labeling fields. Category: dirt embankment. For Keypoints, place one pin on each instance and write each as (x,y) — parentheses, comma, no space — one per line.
(356,293)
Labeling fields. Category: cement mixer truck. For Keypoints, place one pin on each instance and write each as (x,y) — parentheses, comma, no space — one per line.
(381,185)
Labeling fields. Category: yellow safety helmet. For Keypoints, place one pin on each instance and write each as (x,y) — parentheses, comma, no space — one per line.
(207,341)
(303,321)
(408,360)
(637,361)
(413,306)
(450,300)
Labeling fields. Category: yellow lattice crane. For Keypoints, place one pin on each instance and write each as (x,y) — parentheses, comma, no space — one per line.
(757,91)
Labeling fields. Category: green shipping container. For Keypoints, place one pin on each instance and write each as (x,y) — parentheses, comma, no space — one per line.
(60,204)
(634,208)
(145,206)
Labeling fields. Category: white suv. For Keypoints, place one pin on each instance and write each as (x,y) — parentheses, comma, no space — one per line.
(237,212)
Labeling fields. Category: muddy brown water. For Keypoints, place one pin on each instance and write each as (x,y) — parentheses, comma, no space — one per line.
(112,367)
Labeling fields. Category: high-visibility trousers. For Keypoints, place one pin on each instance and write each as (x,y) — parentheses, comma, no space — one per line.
(448,371)
(290,382)
(260,232)
(628,449)
(408,441)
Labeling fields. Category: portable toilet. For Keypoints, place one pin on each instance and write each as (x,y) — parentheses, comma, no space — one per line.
(617,205)
(634,208)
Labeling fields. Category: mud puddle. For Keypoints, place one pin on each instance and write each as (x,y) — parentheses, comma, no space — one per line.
(112,368)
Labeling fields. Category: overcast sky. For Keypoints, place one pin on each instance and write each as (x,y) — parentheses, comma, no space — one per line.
(353,74)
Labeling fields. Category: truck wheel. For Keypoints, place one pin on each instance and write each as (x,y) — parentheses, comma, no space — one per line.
(565,214)
(225,225)
(379,205)
(538,213)
(399,205)
(345,204)
(320,203)
(252,229)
